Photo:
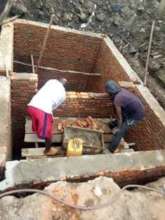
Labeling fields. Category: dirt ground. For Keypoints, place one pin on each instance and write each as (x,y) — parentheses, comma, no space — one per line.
(126,22)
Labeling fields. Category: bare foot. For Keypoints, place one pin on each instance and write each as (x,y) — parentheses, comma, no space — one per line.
(51,151)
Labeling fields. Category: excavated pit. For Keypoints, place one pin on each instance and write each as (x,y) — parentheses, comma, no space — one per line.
(87,60)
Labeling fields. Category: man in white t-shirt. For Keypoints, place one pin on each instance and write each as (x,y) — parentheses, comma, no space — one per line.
(41,107)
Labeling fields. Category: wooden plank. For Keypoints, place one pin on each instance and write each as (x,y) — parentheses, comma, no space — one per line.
(107,137)
(57,138)
(26,152)
(35,152)
(32,138)
(126,84)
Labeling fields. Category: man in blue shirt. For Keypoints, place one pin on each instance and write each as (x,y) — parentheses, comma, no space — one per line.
(129,110)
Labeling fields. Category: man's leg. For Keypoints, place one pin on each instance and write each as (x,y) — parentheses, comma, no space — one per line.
(118,136)
(48,143)
(33,115)
(121,133)
(46,132)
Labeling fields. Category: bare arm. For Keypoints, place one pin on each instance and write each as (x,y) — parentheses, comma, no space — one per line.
(119,115)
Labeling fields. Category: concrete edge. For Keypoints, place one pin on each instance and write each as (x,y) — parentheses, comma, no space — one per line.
(56,27)
(24,76)
(6,47)
(6,143)
(122,166)
(122,61)
(152,102)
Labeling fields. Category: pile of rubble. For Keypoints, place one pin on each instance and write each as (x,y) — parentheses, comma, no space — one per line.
(98,199)
(88,122)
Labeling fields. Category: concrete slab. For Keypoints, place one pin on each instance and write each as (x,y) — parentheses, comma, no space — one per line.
(5,116)
(152,102)
(6,49)
(123,167)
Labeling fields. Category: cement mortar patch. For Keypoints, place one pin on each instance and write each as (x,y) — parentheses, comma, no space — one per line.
(54,169)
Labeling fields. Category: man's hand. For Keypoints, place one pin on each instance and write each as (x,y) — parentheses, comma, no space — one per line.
(113,123)
(115,130)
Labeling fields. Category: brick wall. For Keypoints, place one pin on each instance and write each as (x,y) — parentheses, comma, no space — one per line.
(65,49)
(70,51)
(150,133)
(109,67)
(77,81)
(23,87)
(85,104)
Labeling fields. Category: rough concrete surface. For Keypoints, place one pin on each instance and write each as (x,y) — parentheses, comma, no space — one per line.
(54,169)
(5,117)
(121,205)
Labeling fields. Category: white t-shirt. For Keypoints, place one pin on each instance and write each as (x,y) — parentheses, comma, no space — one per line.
(49,97)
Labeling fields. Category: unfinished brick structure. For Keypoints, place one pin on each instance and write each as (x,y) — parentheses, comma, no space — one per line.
(87,60)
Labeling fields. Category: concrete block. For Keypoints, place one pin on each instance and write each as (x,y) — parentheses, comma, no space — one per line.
(123,167)
(5,116)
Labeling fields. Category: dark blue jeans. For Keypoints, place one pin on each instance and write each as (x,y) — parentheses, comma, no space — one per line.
(121,133)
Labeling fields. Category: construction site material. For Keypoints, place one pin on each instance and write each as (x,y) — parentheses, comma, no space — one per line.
(38,153)
(95,200)
(75,147)
(93,141)
(78,207)
(61,123)
(72,52)
(76,51)
(100,124)
(5,117)
(124,168)
(6,49)
(32,138)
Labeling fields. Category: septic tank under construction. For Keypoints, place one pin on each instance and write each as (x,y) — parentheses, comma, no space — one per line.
(87,60)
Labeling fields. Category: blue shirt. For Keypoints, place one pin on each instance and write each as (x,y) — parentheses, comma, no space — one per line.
(130,104)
